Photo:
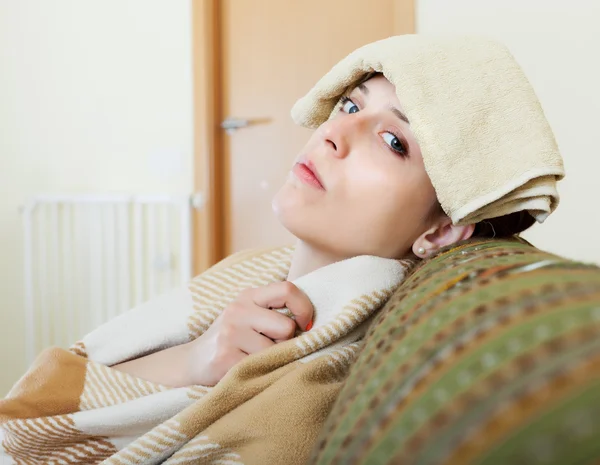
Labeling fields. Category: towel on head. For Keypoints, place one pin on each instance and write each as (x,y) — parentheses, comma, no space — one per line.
(486,144)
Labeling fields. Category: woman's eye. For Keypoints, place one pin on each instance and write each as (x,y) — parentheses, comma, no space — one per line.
(349,106)
(395,143)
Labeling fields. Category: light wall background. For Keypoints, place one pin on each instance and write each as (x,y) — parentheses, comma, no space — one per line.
(95,96)
(558,45)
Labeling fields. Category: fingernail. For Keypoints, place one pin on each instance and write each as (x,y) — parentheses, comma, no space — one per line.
(309,325)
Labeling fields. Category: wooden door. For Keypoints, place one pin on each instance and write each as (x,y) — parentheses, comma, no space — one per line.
(269,53)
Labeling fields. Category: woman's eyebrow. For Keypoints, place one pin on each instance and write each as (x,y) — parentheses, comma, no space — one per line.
(399,114)
(365,90)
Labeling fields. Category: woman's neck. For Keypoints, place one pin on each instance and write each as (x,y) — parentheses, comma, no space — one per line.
(307,259)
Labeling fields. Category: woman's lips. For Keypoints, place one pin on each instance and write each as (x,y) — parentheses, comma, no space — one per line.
(306,175)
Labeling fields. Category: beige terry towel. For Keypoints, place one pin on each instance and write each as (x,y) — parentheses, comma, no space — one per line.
(486,143)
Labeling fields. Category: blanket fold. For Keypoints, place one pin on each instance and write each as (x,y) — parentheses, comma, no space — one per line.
(71,407)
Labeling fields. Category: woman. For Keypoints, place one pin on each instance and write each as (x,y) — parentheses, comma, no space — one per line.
(399,166)
(363,166)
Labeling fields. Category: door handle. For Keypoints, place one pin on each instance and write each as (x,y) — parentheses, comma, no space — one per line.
(233,124)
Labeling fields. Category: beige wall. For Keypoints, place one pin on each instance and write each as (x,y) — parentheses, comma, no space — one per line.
(557,43)
(95,96)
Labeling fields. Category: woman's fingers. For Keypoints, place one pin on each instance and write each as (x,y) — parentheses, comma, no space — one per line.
(280,295)
(246,314)
(274,325)
(247,326)
(252,342)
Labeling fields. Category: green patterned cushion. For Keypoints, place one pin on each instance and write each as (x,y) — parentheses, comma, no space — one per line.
(488,354)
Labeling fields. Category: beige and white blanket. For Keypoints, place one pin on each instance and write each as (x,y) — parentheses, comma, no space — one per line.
(72,408)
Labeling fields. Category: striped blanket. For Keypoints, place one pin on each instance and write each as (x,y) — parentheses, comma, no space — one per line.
(71,407)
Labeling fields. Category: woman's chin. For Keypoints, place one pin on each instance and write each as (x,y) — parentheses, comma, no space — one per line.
(291,215)
(284,214)
(301,214)
(287,201)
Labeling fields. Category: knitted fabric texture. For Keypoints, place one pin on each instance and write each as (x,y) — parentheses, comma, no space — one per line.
(488,354)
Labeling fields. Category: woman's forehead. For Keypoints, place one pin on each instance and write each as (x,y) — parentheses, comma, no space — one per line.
(378,84)
(378,88)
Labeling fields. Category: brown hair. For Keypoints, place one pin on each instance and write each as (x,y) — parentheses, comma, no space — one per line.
(502,226)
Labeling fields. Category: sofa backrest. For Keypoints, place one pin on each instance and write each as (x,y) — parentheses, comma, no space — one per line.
(489,353)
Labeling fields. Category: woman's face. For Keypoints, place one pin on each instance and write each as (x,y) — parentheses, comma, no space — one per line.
(359,186)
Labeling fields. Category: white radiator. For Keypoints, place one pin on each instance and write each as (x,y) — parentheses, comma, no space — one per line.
(89,258)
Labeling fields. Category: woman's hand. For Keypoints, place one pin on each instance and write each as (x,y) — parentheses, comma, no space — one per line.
(246,326)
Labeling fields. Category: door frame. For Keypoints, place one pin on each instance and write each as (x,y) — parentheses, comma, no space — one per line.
(209,165)
(208,218)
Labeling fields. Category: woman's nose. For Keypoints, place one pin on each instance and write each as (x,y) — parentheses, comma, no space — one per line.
(338,134)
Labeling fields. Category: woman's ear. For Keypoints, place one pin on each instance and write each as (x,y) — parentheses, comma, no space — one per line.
(441,235)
